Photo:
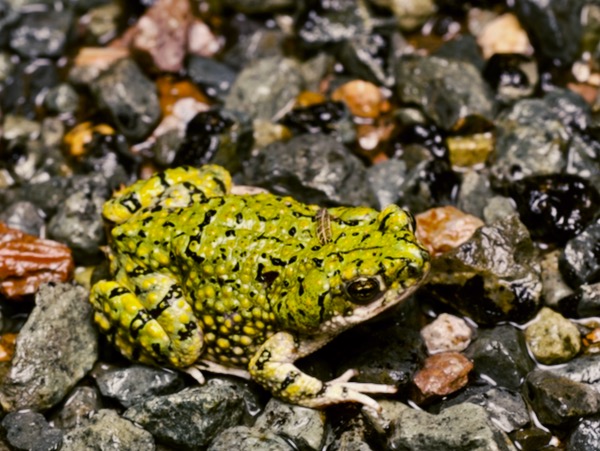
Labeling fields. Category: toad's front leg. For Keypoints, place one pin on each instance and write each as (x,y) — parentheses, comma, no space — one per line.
(272,367)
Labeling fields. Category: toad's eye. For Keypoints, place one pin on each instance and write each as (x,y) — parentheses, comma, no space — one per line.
(363,290)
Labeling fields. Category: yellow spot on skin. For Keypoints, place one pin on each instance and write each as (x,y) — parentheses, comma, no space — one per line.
(210,337)
(209,270)
(249,330)
(245,340)
(208,320)
(223,343)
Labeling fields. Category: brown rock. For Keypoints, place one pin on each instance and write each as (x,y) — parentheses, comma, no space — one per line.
(444,228)
(27,261)
(441,375)
(363,98)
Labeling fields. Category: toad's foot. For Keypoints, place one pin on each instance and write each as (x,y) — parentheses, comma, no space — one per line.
(272,367)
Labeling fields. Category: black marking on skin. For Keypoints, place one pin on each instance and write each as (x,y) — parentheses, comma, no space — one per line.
(160,307)
(239,218)
(163,180)
(315,248)
(138,322)
(142,233)
(230,232)
(136,353)
(261,218)
(197,258)
(321,304)
(131,202)
(286,284)
(220,183)
(156,208)
(168,224)
(156,349)
(141,271)
(318,262)
(265,237)
(297,214)
(117,292)
(290,378)
(301,286)
(358,263)
(265,356)
(236,268)
(277,262)
(207,218)
(365,237)
(292,231)
(292,260)
(147,220)
(302,312)
(383,221)
(188,332)
(120,237)
(340,236)
(267,277)
(350,223)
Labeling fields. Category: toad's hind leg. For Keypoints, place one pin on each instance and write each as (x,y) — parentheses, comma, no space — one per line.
(157,327)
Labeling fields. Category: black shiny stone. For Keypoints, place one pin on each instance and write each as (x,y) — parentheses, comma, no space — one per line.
(555,207)
(504,70)
(320,117)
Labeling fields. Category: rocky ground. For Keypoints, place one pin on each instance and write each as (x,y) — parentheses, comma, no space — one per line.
(481,118)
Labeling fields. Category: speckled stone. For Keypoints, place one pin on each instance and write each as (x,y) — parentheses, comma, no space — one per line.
(553,339)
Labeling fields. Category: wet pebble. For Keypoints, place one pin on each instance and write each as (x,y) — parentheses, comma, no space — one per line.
(579,261)
(214,77)
(553,285)
(506,408)
(557,400)
(552,338)
(494,276)
(266,89)
(584,369)
(129,98)
(191,418)
(445,228)
(582,303)
(441,375)
(42,33)
(243,437)
(500,354)
(78,407)
(312,168)
(23,216)
(56,347)
(446,333)
(465,426)
(364,99)
(446,90)
(137,383)
(304,427)
(513,76)
(323,117)
(61,99)
(585,436)
(108,431)
(29,431)
(555,207)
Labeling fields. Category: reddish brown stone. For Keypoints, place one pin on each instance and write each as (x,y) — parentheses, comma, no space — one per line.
(7,346)
(441,375)
(444,228)
(364,99)
(27,261)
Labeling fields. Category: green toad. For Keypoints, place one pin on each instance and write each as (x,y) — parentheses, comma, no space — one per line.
(247,284)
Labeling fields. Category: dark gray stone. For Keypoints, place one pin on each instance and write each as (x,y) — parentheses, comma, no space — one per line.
(137,383)
(554,27)
(78,220)
(387,179)
(506,408)
(313,169)
(129,97)
(266,88)
(361,56)
(259,6)
(584,369)
(446,90)
(465,427)
(192,418)
(531,140)
(62,99)
(243,437)
(77,409)
(582,303)
(23,216)
(579,261)
(42,34)
(493,277)
(475,192)
(214,77)
(462,48)
(107,431)
(501,355)
(29,431)
(55,348)
(323,23)
(585,436)
(557,400)
(303,426)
